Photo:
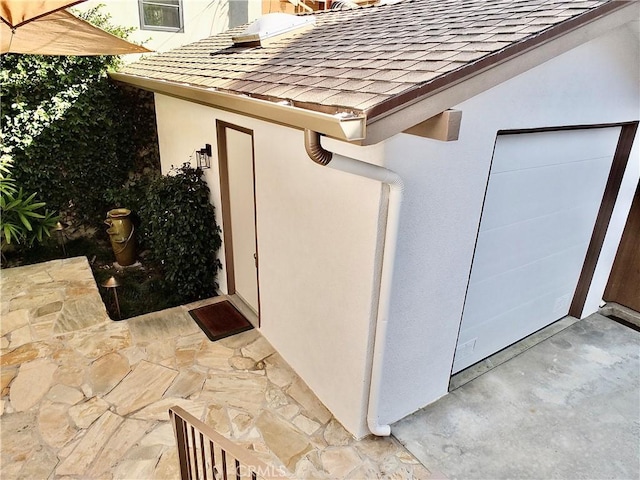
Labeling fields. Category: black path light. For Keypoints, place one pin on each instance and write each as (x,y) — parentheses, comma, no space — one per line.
(113,284)
(60,229)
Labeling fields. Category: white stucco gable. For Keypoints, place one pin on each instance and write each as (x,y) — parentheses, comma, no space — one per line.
(319,231)
(596,83)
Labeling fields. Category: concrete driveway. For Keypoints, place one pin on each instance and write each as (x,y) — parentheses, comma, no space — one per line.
(567,408)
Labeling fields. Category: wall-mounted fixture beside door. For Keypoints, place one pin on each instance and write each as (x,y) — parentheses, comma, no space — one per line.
(203,156)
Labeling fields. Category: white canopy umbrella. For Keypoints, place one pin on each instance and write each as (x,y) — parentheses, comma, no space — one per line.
(44,27)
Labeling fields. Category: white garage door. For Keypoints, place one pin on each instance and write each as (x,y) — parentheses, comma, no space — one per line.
(542,200)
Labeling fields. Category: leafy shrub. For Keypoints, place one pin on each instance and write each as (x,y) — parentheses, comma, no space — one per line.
(71,132)
(23,219)
(176,223)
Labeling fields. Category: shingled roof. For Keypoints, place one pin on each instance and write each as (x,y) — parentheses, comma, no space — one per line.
(371,60)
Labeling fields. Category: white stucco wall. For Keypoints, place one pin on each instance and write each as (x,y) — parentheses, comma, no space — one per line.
(184,128)
(202,18)
(317,228)
(445,183)
(317,234)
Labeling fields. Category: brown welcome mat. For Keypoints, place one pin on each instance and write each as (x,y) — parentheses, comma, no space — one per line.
(220,320)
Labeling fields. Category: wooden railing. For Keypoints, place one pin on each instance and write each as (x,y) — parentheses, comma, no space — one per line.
(301,4)
(205,454)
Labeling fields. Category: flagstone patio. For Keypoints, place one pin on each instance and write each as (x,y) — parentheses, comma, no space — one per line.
(86,397)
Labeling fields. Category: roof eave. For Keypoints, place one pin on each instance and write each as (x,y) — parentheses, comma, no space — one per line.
(405,110)
(398,114)
(351,128)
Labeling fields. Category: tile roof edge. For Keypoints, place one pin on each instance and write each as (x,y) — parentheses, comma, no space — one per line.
(485,63)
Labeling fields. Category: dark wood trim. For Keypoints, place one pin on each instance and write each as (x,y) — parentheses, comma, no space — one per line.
(255,221)
(618,167)
(623,286)
(223,159)
(563,128)
(224,207)
(223,124)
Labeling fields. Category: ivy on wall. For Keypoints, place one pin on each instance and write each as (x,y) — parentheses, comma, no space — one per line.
(85,145)
(71,132)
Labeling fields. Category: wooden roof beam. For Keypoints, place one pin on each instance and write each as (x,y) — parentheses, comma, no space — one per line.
(444,126)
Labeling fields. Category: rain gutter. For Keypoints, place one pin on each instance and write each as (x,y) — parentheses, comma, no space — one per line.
(386,260)
(342,126)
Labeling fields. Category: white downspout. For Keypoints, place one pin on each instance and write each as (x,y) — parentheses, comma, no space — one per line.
(396,189)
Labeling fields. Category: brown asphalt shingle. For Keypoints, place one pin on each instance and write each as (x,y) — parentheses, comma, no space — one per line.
(359,59)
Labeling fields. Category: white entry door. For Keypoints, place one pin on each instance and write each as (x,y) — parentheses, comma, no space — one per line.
(542,199)
(240,166)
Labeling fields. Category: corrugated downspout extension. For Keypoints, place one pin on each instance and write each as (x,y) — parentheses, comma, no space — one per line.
(396,189)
